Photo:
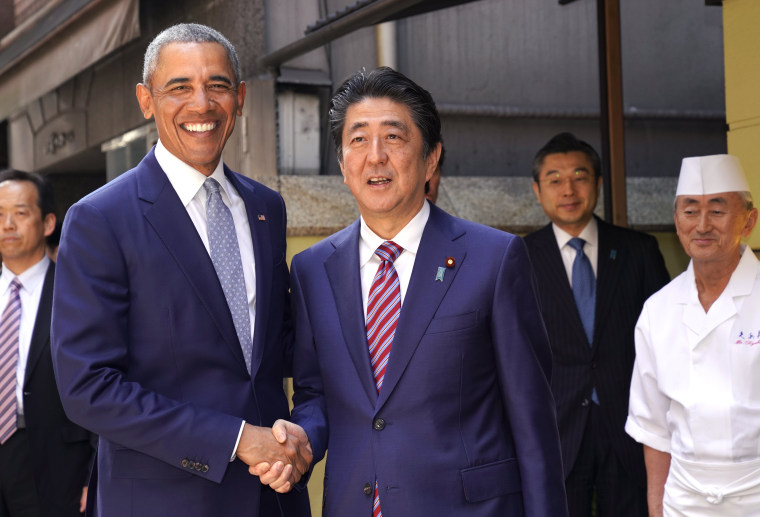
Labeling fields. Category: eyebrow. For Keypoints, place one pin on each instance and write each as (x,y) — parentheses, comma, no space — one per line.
(180,80)
(692,201)
(577,169)
(391,123)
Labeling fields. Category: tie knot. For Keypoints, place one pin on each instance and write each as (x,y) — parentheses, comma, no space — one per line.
(389,251)
(15,285)
(211,186)
(576,243)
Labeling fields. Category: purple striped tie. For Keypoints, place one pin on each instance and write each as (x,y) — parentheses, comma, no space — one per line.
(383,309)
(9,325)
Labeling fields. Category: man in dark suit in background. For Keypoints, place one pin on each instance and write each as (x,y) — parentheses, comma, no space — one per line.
(170,313)
(593,279)
(420,360)
(44,457)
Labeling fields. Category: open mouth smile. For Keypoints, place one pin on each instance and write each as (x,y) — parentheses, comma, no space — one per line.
(200,127)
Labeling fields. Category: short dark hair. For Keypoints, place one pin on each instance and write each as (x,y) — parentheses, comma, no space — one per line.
(186,33)
(566,143)
(45,199)
(384,82)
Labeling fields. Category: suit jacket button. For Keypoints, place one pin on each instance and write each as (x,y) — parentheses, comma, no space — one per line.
(204,469)
(185,463)
(585,403)
(367,489)
(378,424)
(593,366)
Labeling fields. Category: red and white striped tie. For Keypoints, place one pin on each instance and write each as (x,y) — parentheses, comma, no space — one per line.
(9,325)
(383,309)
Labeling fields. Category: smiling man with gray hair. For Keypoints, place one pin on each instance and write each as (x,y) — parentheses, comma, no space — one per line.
(695,395)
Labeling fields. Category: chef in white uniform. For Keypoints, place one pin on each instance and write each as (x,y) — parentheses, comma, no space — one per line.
(695,392)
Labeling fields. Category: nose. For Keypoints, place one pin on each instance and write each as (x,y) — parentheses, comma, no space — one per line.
(8,222)
(201,101)
(377,153)
(703,222)
(568,187)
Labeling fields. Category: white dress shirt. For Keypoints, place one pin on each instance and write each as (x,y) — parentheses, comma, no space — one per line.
(188,183)
(408,238)
(31,289)
(590,234)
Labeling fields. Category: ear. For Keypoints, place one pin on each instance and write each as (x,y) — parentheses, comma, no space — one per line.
(48,224)
(342,169)
(240,98)
(598,185)
(537,191)
(432,161)
(749,225)
(145,100)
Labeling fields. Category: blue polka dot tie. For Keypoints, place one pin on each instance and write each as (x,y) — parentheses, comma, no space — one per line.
(225,254)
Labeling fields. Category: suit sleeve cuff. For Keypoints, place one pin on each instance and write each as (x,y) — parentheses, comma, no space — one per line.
(237,442)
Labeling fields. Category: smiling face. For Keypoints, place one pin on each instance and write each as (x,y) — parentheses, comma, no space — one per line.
(383,163)
(568,190)
(710,227)
(22,227)
(194,101)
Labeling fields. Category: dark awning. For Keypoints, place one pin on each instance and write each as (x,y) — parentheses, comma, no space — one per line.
(63,40)
(356,16)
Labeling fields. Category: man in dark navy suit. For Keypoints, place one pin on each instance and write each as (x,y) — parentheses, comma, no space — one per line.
(170,314)
(44,457)
(593,279)
(421,359)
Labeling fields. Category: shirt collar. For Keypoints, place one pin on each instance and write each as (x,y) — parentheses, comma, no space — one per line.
(408,238)
(186,180)
(30,279)
(741,283)
(590,234)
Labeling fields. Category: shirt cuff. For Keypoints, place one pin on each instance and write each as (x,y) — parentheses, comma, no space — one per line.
(237,442)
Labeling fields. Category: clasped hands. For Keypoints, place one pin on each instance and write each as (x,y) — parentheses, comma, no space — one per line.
(279,457)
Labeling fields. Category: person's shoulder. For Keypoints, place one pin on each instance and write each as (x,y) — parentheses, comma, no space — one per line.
(117,189)
(627,234)
(257,186)
(664,296)
(322,249)
(537,236)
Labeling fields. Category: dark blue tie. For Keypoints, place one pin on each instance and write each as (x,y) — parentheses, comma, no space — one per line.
(584,287)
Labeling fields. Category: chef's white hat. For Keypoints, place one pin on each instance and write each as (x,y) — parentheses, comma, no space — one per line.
(710,175)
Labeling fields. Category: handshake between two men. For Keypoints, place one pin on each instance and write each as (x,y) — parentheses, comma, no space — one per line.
(280,456)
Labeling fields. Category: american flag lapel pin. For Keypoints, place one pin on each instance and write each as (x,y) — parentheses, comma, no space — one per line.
(262,217)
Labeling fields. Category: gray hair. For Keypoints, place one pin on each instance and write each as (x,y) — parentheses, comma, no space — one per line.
(186,33)
(745,194)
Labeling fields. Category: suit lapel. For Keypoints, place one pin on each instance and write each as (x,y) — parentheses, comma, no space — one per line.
(342,268)
(165,213)
(609,268)
(262,253)
(547,260)
(440,240)
(41,333)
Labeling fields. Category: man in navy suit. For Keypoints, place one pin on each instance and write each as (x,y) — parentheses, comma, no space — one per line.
(170,308)
(450,412)
(591,336)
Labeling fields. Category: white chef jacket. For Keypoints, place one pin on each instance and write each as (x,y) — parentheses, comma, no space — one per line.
(695,391)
